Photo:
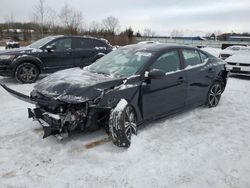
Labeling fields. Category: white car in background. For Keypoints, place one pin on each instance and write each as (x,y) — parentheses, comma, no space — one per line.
(239,63)
(149,42)
(231,50)
(214,51)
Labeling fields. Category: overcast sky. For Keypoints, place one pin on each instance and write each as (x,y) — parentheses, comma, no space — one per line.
(193,17)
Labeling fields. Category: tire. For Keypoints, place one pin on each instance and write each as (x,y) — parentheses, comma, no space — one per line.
(214,94)
(26,73)
(122,124)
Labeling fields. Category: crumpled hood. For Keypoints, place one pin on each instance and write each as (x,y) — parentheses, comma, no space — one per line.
(75,85)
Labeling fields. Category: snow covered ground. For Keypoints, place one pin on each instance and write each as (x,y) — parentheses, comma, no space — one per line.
(199,148)
(2,48)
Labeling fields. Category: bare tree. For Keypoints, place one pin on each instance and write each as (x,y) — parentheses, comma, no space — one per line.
(10,19)
(94,26)
(51,19)
(208,34)
(217,33)
(111,24)
(176,33)
(72,19)
(148,32)
(39,14)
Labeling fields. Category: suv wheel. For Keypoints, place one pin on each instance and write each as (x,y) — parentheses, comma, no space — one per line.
(122,124)
(27,73)
(214,94)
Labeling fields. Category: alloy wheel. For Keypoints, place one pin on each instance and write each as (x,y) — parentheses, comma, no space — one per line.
(130,122)
(215,94)
(28,74)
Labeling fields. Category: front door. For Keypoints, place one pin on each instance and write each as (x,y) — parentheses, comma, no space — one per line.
(161,96)
(60,57)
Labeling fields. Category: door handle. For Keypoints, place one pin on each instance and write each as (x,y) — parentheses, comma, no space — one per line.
(211,70)
(180,80)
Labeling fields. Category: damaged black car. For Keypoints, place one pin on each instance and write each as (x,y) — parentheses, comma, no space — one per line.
(126,88)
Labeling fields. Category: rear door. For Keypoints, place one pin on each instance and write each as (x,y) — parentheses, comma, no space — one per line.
(85,50)
(161,96)
(199,75)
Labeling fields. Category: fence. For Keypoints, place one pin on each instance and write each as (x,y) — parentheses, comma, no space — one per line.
(195,43)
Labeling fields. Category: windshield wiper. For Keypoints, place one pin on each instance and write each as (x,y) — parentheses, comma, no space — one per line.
(103,73)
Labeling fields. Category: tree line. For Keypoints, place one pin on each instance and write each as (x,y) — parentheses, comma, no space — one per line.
(45,21)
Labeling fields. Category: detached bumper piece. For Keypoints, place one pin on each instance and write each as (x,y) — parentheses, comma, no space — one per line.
(51,126)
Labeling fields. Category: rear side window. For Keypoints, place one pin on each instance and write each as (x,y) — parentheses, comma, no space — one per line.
(99,44)
(168,62)
(191,57)
(88,44)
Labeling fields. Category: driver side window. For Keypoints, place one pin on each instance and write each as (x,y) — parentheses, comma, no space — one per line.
(62,44)
(168,62)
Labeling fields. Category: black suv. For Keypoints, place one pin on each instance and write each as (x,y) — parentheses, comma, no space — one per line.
(51,54)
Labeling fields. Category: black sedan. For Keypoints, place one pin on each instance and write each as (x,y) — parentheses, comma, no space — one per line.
(51,54)
(126,88)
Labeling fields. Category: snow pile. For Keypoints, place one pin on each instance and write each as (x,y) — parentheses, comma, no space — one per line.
(2,48)
(240,57)
(204,147)
(214,51)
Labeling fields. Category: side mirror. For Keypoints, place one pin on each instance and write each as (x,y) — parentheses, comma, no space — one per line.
(156,74)
(50,48)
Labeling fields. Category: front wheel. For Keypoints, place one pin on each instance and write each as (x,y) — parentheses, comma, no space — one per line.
(122,124)
(214,94)
(27,73)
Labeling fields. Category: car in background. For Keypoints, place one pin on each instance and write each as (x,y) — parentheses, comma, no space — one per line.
(130,86)
(12,44)
(214,51)
(149,42)
(51,54)
(224,54)
(239,64)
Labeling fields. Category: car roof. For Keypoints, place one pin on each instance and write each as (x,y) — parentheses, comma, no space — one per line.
(74,36)
(155,47)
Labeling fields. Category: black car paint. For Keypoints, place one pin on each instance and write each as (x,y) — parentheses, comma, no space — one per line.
(151,98)
(51,61)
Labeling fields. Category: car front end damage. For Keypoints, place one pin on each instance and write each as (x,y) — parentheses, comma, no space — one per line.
(60,118)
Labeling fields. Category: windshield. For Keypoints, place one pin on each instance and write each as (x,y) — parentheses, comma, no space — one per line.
(121,62)
(41,42)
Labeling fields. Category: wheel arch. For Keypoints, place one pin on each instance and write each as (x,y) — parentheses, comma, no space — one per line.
(222,77)
(27,59)
(112,98)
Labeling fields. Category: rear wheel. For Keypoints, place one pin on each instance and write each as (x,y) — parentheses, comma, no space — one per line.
(122,124)
(214,94)
(27,73)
